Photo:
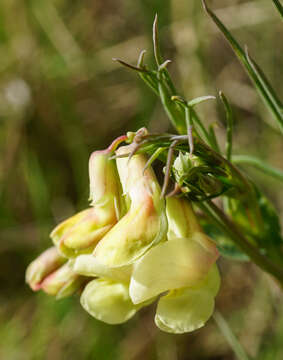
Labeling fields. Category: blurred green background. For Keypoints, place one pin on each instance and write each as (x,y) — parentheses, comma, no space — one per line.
(62,97)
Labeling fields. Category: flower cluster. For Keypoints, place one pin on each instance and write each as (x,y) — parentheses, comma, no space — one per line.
(130,248)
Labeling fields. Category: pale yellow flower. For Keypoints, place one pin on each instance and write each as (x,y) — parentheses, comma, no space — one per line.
(185,266)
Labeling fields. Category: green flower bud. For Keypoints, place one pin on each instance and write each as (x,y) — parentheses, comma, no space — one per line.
(209,184)
(183,164)
(42,266)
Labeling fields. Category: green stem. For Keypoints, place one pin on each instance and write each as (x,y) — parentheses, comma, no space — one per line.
(259,164)
(229,336)
(221,219)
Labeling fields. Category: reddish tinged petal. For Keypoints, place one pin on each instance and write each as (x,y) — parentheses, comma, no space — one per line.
(145,222)
(62,282)
(42,266)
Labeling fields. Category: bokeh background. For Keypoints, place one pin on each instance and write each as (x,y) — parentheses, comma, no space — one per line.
(62,97)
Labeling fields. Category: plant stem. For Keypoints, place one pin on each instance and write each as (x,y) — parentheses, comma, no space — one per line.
(229,336)
(221,219)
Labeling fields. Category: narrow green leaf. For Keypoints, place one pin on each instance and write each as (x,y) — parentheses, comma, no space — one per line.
(271,99)
(229,131)
(263,87)
(189,125)
(140,63)
(176,117)
(213,138)
(156,48)
(278,6)
(201,99)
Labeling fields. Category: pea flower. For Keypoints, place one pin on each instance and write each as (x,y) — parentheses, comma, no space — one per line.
(184,266)
(130,247)
(80,233)
(144,224)
(107,297)
(51,273)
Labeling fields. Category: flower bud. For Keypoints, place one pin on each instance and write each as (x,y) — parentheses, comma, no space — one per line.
(80,233)
(105,188)
(46,263)
(145,222)
(63,282)
(209,184)
(183,164)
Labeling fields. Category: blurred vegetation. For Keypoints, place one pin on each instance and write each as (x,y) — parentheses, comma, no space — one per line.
(61,97)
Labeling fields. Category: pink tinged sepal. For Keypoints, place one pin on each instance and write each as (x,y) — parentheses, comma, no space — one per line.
(42,266)
(145,222)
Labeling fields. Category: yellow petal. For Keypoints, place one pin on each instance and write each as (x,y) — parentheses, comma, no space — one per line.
(173,264)
(132,236)
(88,265)
(144,224)
(182,220)
(187,309)
(184,310)
(108,301)
(105,187)
(81,233)
(62,228)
